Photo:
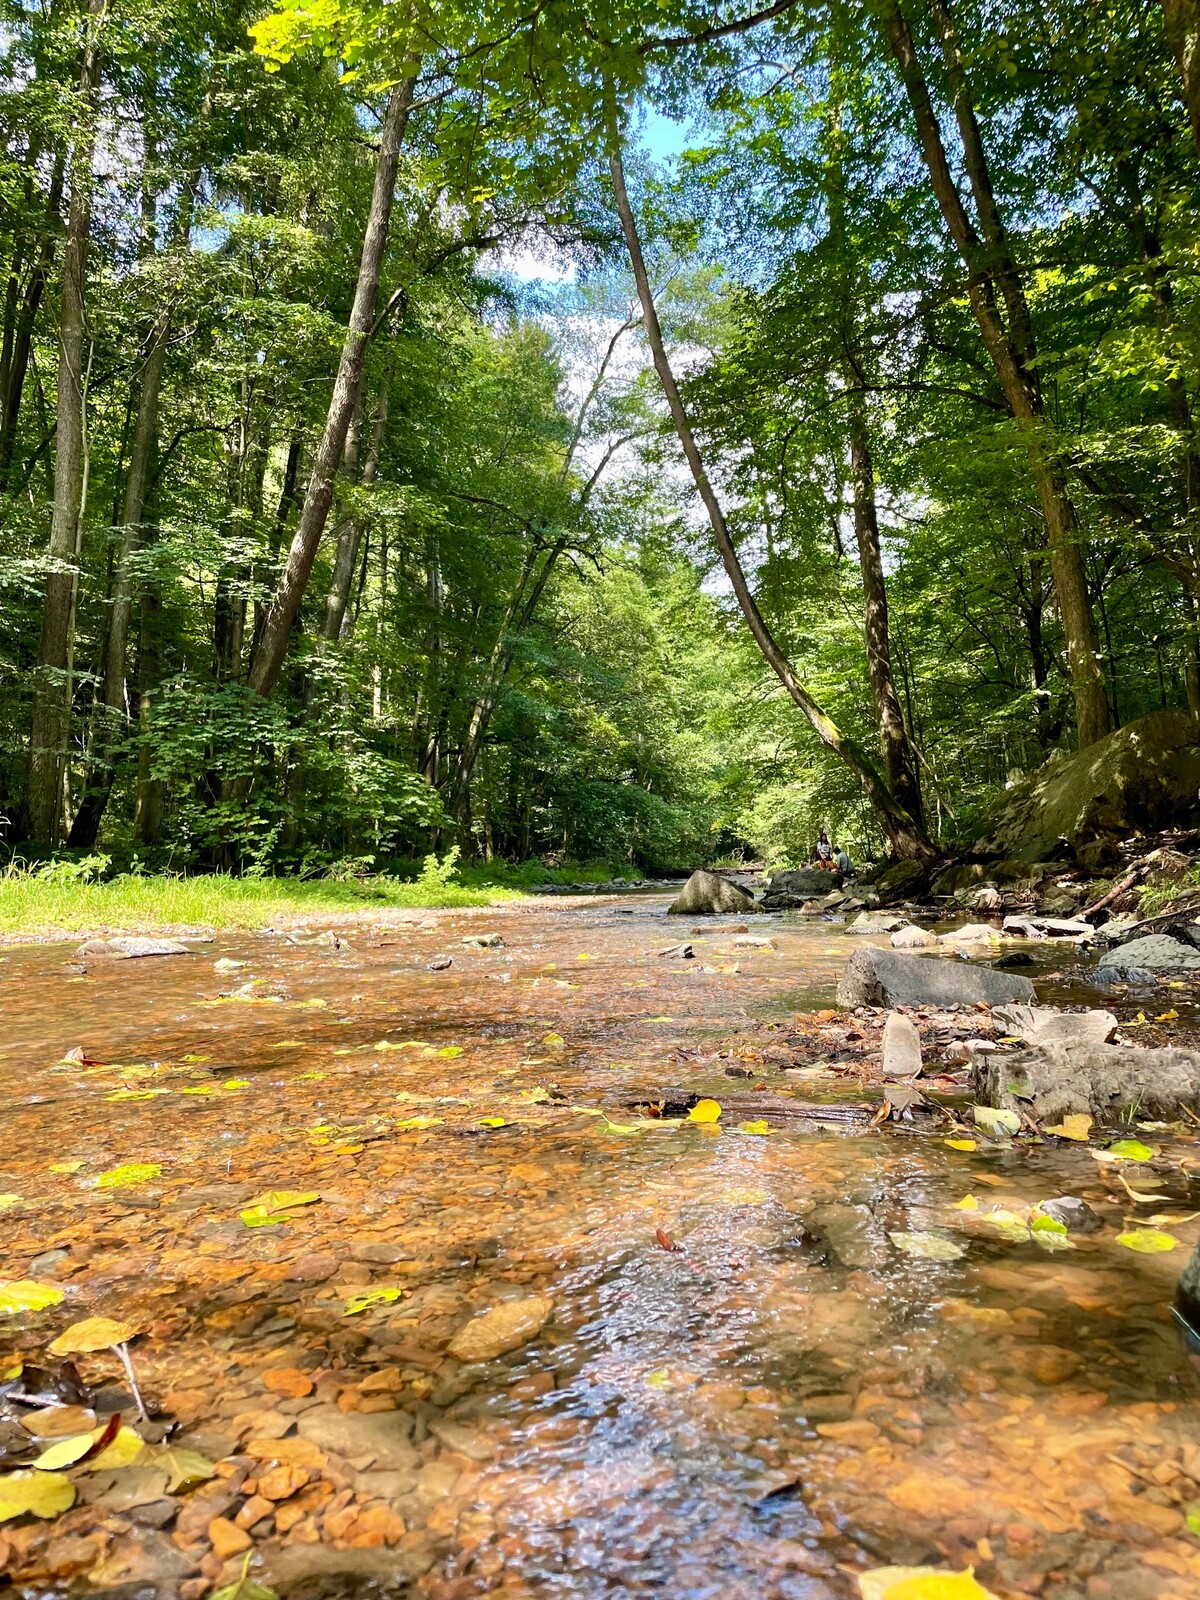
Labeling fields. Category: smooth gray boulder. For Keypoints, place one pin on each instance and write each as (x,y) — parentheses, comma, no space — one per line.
(1157,952)
(901,1048)
(875,977)
(912,938)
(706,893)
(1104,1081)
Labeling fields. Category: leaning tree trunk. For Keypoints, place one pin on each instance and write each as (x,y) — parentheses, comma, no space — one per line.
(1181,19)
(267,666)
(905,835)
(350,532)
(1011,348)
(893,734)
(51,704)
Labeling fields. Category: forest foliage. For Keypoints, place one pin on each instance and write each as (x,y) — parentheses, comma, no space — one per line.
(343,516)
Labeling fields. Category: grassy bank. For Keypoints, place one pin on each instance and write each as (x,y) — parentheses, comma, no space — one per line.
(32,906)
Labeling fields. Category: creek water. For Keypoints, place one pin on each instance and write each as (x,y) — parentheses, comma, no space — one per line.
(785,1400)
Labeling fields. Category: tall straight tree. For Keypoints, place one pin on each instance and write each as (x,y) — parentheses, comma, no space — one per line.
(271,651)
(994,279)
(48,733)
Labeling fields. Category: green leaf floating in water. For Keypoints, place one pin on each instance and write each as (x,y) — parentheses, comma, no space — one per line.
(996,1122)
(929,1246)
(1131,1150)
(1147,1241)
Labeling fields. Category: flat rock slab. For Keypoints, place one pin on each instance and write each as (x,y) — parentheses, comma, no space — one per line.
(128,946)
(1049,928)
(381,1435)
(706,892)
(1103,1081)
(876,922)
(875,977)
(913,938)
(1157,952)
(1039,1025)
(970,933)
(501,1328)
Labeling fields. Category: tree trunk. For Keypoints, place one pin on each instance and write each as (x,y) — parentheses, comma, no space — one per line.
(905,835)
(51,705)
(894,742)
(17,366)
(268,662)
(1011,349)
(1181,20)
(350,531)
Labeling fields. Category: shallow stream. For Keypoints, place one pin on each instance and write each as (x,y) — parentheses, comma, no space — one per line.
(786,1399)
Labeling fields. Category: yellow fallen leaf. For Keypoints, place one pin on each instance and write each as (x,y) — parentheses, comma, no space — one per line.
(1137,1195)
(1075,1126)
(382,1296)
(410,1123)
(553,1040)
(122,1451)
(269,1208)
(928,1246)
(759,1127)
(491,1122)
(967,1203)
(67,1166)
(744,1197)
(236,1083)
(705,1111)
(26,1294)
(35,1494)
(66,1452)
(135,1094)
(93,1333)
(133,1172)
(1167,1016)
(961,1144)
(1147,1241)
(184,1468)
(8,1201)
(921,1583)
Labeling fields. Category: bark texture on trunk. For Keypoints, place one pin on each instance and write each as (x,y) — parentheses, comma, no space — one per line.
(51,704)
(893,734)
(1181,20)
(350,532)
(904,834)
(1009,343)
(267,665)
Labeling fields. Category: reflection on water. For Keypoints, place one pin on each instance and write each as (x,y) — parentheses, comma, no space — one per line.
(785,1399)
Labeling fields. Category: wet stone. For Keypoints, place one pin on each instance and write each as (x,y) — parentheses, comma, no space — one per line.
(377,1438)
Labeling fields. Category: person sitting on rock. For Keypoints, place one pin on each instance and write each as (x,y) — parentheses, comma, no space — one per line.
(824,855)
(843,863)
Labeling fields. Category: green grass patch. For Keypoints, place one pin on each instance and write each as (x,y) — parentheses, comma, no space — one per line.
(40,903)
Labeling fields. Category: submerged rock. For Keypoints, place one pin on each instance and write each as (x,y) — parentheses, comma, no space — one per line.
(875,977)
(1104,1081)
(502,1328)
(1074,1214)
(127,946)
(706,893)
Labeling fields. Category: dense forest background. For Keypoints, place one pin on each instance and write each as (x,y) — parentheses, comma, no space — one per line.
(342,514)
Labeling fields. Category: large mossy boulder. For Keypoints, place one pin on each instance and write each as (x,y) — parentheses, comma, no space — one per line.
(907,880)
(706,893)
(1146,777)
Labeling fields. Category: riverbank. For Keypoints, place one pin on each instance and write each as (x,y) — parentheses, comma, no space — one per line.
(38,908)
